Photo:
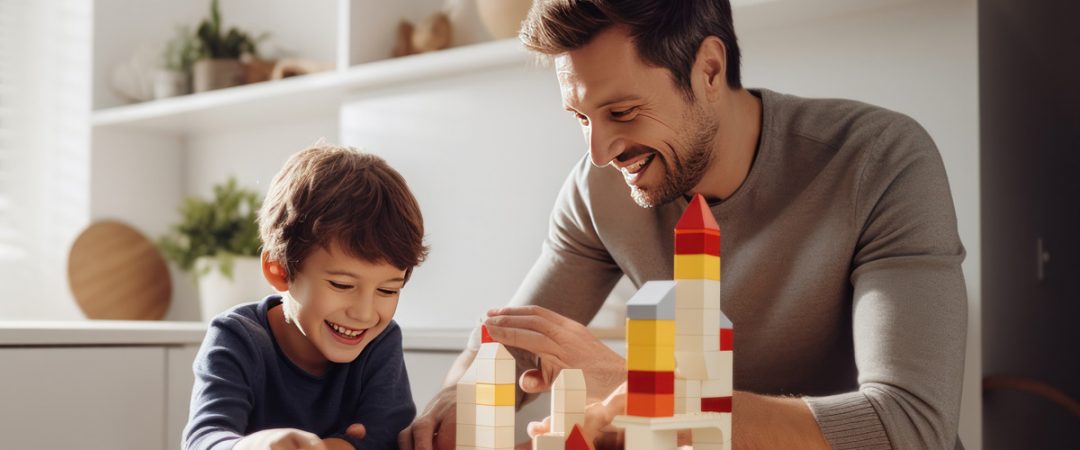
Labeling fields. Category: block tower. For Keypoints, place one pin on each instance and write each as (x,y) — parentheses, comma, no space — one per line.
(679,346)
(567,414)
(485,394)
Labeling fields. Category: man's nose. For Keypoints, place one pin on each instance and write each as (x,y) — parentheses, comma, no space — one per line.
(604,145)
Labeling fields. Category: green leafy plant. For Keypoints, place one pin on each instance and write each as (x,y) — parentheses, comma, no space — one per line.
(216,43)
(223,228)
(182,50)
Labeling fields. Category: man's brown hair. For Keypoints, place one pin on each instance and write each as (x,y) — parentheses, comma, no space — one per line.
(666,33)
(330,193)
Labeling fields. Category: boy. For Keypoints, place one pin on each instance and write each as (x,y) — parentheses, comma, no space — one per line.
(318,365)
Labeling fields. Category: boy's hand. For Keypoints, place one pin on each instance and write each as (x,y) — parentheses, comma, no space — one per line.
(436,428)
(281,439)
(597,426)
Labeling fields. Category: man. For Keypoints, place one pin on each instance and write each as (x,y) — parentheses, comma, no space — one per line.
(841,258)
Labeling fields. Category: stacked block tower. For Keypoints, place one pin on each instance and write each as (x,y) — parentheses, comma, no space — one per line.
(679,346)
(485,394)
(567,414)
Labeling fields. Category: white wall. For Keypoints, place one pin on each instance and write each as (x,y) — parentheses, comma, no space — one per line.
(916,58)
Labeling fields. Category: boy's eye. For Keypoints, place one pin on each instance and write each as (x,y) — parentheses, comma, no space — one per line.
(339,285)
(388,292)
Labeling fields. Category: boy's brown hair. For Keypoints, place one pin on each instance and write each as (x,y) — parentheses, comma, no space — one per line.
(329,193)
(666,33)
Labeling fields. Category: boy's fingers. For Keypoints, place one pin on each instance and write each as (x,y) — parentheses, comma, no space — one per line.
(356,430)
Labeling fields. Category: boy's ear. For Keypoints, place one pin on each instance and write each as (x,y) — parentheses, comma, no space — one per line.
(274,272)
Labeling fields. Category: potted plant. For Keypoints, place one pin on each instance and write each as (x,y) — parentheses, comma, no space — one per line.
(178,57)
(219,65)
(219,241)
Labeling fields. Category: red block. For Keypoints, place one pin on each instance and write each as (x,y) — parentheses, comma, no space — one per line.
(485,337)
(576,440)
(650,405)
(697,216)
(646,382)
(697,244)
(727,339)
(716,404)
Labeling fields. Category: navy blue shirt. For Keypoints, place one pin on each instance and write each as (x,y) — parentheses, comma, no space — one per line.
(244,383)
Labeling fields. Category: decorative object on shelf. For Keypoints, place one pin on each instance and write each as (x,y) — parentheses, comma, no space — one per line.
(220,65)
(134,79)
(219,240)
(465,21)
(291,67)
(503,17)
(115,273)
(179,56)
(432,34)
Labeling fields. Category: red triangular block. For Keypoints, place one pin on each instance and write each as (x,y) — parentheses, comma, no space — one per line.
(485,337)
(576,440)
(697,216)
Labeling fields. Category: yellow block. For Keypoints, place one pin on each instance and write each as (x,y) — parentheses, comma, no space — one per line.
(650,358)
(697,267)
(495,394)
(650,332)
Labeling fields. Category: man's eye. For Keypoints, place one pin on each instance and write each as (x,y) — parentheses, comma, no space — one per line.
(340,286)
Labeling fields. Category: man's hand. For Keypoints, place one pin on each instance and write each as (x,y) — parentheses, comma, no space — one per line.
(597,427)
(559,343)
(436,428)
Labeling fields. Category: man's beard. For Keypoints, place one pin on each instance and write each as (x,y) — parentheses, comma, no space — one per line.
(682,172)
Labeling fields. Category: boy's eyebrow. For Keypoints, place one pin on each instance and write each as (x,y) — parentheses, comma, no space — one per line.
(350,274)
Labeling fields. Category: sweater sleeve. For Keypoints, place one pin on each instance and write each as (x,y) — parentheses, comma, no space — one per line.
(909,311)
(386,405)
(221,398)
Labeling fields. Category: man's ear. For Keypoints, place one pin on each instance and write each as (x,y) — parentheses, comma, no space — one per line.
(708,77)
(275,273)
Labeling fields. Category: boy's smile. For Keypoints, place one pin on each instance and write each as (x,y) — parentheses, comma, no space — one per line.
(339,304)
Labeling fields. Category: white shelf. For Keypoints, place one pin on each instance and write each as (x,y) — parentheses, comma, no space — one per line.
(307,96)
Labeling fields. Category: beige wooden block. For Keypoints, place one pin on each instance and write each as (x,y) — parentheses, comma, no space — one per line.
(504,438)
(642,438)
(568,401)
(564,422)
(697,321)
(569,379)
(720,366)
(697,343)
(466,435)
(687,405)
(697,294)
(496,371)
(495,416)
(687,388)
(494,350)
(549,441)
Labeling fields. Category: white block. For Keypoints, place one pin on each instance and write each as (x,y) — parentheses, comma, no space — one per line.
(697,294)
(494,416)
(570,379)
(568,401)
(564,422)
(715,388)
(642,438)
(697,321)
(720,366)
(707,436)
(497,438)
(493,350)
(687,405)
(697,343)
(496,371)
(504,438)
(687,388)
(466,435)
(549,441)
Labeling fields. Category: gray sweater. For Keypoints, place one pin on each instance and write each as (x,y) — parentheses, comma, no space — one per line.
(840,268)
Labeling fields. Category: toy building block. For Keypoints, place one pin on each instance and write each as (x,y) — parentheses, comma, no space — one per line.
(697,294)
(650,405)
(648,382)
(697,216)
(708,439)
(687,396)
(494,437)
(567,400)
(697,267)
(485,337)
(549,441)
(466,409)
(494,394)
(495,416)
(576,440)
(657,333)
(655,300)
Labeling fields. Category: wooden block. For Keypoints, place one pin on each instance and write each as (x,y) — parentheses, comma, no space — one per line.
(720,367)
(696,294)
(485,337)
(495,416)
(549,441)
(687,388)
(495,394)
(567,401)
(690,365)
(716,404)
(494,350)
(650,405)
(697,267)
(652,359)
(485,437)
(643,438)
(569,379)
(659,333)
(504,438)
(697,343)
(564,422)
(655,300)
(505,371)
(697,243)
(727,339)
(466,413)
(466,434)
(577,441)
(697,216)
(687,405)
(648,382)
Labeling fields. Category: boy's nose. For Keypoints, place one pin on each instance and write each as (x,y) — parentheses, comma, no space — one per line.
(362,311)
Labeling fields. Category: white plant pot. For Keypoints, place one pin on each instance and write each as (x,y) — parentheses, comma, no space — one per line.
(171,84)
(218,293)
(503,17)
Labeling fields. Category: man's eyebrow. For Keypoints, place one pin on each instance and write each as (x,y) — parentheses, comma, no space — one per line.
(620,99)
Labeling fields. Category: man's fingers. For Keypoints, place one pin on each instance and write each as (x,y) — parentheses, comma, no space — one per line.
(356,430)
(532,382)
(530,322)
(532,310)
(528,340)
(423,433)
(404,438)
